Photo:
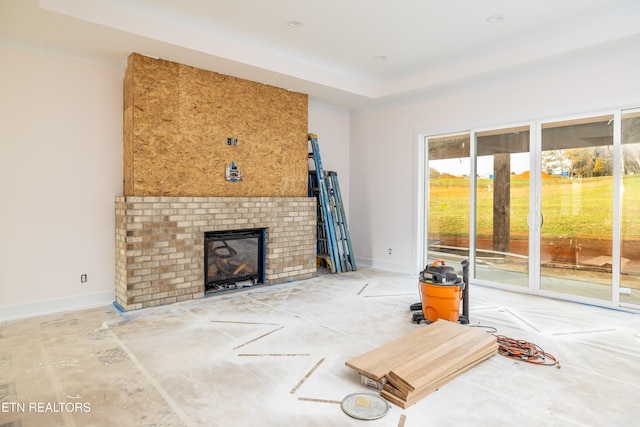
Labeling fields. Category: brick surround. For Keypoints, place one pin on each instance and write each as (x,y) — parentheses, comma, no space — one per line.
(160,242)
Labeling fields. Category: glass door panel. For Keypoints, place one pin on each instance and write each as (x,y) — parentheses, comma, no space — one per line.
(630,212)
(577,207)
(502,206)
(448,192)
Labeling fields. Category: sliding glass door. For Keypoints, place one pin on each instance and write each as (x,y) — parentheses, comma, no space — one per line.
(448,195)
(552,207)
(502,206)
(630,210)
(576,233)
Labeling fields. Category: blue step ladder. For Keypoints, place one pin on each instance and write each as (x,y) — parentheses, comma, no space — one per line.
(334,243)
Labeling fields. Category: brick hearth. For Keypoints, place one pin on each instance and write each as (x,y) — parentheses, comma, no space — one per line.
(160,242)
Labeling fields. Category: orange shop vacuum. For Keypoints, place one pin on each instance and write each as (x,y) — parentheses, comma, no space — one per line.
(442,293)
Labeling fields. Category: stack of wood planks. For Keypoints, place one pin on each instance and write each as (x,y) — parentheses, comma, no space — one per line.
(412,367)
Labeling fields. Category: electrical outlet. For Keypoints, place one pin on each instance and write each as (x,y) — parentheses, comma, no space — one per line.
(390,251)
(232,141)
(625,290)
(83,278)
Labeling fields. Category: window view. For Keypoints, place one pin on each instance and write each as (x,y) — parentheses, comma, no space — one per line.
(630,224)
(448,196)
(502,206)
(577,207)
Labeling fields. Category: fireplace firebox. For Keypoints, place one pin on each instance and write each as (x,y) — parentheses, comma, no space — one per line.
(234,259)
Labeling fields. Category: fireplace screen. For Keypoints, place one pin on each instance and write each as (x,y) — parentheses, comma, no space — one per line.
(233,259)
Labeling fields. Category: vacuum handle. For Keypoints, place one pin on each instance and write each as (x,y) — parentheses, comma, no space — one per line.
(465,292)
(436,262)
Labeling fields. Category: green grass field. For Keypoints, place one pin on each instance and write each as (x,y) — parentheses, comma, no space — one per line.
(571,207)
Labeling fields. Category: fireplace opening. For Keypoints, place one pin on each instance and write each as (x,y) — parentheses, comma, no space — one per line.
(233,259)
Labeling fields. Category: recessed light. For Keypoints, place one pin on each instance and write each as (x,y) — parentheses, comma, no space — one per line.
(494,19)
(294,24)
(380,58)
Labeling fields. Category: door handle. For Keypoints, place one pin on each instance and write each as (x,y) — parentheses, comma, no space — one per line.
(541,219)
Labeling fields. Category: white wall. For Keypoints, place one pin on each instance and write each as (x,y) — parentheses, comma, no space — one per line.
(60,170)
(383,175)
(331,124)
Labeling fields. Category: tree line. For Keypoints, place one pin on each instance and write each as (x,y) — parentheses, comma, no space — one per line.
(588,162)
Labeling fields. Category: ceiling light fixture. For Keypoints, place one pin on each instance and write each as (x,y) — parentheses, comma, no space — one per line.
(294,24)
(494,19)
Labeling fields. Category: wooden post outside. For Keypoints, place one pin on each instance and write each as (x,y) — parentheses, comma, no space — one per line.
(502,202)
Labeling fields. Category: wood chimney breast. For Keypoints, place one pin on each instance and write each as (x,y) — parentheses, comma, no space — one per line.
(178,121)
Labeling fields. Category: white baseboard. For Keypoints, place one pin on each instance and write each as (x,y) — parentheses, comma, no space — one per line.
(58,305)
(386,266)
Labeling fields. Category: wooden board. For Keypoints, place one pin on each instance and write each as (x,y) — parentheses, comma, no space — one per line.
(442,360)
(405,403)
(380,361)
(419,363)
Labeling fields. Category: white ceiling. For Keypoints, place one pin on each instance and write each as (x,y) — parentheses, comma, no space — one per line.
(332,54)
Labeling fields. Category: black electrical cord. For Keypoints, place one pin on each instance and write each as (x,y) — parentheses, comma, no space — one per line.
(490,329)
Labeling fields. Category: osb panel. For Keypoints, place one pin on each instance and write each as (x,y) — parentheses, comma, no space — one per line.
(182,117)
(156,127)
(128,131)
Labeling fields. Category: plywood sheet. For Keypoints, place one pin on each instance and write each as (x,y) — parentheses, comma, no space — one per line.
(180,118)
(128,136)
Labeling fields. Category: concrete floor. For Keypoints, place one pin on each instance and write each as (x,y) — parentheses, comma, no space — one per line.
(274,356)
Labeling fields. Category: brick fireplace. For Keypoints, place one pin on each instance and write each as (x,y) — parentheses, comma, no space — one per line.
(160,242)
